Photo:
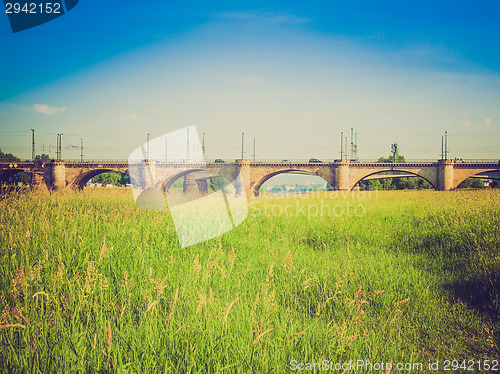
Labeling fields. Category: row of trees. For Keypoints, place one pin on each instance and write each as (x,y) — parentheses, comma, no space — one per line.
(114,179)
(417,183)
(9,157)
(397,158)
(43,158)
(6,157)
(400,183)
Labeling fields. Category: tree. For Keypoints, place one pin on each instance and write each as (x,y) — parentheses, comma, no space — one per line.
(478,183)
(387,184)
(107,178)
(411,183)
(42,158)
(8,157)
(472,183)
(406,183)
(20,177)
(423,184)
(218,183)
(372,184)
(399,158)
(178,183)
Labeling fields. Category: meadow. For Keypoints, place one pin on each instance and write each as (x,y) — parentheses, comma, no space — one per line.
(90,283)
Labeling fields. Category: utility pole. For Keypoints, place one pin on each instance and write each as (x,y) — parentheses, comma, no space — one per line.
(253,149)
(394,151)
(203,146)
(446,145)
(242,141)
(166,149)
(147,153)
(81,149)
(187,144)
(33,145)
(59,146)
(356,146)
(341,146)
(346,153)
(442,147)
(352,144)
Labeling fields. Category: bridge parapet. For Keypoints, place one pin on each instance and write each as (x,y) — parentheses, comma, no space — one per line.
(393,164)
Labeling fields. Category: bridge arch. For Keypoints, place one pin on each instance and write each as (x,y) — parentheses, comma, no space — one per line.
(200,182)
(411,173)
(5,175)
(166,183)
(461,174)
(81,180)
(264,178)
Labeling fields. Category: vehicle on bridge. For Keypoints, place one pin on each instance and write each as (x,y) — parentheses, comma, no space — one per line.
(219,160)
(314,160)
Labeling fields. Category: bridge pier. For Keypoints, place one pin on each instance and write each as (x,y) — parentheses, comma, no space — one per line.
(341,172)
(55,175)
(36,181)
(202,185)
(445,175)
(148,174)
(242,183)
(190,186)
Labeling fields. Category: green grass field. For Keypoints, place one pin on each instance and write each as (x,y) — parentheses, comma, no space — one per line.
(90,283)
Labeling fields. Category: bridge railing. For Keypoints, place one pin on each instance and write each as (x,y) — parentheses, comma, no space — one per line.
(263,161)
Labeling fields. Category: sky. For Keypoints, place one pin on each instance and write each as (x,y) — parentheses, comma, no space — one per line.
(289,75)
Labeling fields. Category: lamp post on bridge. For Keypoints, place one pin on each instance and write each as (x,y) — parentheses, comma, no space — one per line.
(242,142)
(446,145)
(33,145)
(59,146)
(147,152)
(203,147)
(341,145)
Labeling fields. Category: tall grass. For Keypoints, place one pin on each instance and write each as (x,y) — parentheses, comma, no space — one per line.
(90,283)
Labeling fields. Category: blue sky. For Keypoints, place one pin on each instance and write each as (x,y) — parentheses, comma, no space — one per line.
(292,75)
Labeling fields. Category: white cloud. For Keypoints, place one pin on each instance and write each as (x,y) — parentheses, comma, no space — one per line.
(47,109)
(488,121)
(466,122)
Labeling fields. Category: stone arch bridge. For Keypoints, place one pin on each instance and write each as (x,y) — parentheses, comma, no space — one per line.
(443,175)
